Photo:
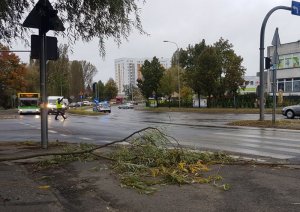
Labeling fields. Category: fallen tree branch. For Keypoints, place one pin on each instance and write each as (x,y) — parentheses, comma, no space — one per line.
(240,162)
(77,152)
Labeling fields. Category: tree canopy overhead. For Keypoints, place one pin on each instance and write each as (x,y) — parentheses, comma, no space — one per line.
(85,19)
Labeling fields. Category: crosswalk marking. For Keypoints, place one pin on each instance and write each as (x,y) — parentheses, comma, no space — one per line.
(258,136)
(276,147)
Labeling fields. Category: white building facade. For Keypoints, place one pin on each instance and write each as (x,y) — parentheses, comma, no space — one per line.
(250,84)
(128,70)
(288,70)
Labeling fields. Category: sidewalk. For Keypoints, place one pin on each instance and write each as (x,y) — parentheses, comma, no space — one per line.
(92,186)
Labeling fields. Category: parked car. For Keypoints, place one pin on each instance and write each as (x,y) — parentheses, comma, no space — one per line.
(102,107)
(126,106)
(291,111)
(87,103)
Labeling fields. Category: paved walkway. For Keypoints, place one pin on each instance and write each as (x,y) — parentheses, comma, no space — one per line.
(92,186)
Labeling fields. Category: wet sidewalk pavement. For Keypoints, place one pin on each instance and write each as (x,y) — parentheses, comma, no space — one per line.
(92,186)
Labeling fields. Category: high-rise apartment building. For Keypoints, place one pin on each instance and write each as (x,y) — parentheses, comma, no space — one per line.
(128,70)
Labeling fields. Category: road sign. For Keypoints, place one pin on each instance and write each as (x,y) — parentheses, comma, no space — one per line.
(295,8)
(276,39)
(44,17)
(51,46)
(276,43)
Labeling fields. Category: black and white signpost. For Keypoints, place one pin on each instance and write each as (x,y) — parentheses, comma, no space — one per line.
(44,18)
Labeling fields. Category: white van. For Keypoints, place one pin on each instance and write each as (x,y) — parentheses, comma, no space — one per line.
(51,105)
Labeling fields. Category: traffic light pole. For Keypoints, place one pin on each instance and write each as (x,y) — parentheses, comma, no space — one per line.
(261,59)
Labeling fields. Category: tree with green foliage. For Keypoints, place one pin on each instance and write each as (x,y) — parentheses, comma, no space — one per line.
(76,79)
(131,91)
(111,90)
(231,71)
(208,69)
(58,74)
(101,90)
(169,82)
(152,73)
(212,70)
(186,95)
(32,76)
(189,61)
(89,71)
(82,19)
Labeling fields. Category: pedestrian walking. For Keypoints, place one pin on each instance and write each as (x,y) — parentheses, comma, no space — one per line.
(59,108)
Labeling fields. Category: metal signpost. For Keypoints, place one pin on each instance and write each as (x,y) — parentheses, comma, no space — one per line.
(44,18)
(275,60)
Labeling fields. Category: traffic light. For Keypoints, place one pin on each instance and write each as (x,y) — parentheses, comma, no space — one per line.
(94,87)
(268,63)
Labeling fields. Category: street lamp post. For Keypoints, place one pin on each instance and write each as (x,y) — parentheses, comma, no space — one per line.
(177,60)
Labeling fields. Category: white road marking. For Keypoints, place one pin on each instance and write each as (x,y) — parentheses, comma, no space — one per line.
(256,136)
(85,138)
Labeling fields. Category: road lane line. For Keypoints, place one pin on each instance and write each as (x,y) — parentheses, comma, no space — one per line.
(85,138)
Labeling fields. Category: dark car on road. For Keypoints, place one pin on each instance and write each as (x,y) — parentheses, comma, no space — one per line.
(291,111)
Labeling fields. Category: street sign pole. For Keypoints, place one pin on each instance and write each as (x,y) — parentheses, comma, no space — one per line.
(275,43)
(44,18)
(44,110)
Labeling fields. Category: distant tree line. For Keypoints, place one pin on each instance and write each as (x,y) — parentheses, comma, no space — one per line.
(210,71)
(70,79)
(105,92)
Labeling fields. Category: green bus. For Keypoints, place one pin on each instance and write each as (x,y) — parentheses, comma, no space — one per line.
(28,103)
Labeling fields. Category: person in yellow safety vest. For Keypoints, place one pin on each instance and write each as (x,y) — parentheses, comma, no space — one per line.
(59,109)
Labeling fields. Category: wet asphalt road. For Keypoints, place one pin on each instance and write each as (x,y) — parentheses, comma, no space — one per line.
(204,131)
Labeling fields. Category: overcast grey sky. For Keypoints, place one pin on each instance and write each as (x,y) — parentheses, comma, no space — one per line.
(190,21)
